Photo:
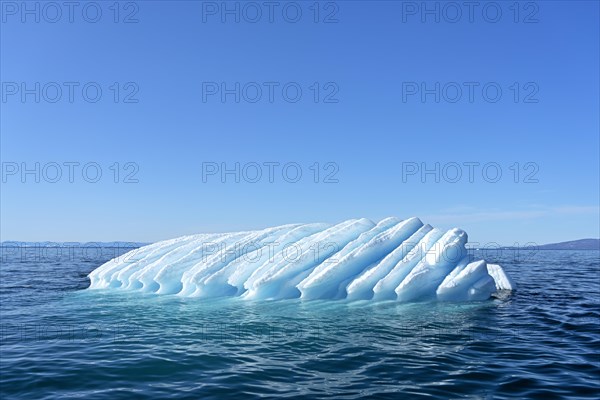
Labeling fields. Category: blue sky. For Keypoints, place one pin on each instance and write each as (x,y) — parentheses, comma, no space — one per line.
(387,75)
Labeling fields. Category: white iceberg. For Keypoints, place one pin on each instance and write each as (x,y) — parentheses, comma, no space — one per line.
(357,259)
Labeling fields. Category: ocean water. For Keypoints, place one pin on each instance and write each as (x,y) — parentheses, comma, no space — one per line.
(58,340)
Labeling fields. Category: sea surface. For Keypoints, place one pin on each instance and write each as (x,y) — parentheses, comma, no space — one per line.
(59,340)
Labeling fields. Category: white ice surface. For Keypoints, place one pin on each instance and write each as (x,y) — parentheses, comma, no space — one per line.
(501,279)
(395,259)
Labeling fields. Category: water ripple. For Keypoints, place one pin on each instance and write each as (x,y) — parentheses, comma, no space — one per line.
(541,342)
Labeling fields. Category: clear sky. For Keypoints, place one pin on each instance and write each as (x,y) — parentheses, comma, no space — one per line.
(388,90)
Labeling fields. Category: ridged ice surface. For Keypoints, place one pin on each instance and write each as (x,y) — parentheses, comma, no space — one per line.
(357,259)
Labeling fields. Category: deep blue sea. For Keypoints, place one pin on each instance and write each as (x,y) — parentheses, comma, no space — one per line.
(58,340)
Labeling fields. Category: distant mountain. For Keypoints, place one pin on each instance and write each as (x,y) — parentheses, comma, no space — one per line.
(9,243)
(581,244)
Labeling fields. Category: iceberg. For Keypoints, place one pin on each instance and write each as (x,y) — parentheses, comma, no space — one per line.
(358,259)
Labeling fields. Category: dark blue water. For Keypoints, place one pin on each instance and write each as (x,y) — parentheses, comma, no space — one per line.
(58,340)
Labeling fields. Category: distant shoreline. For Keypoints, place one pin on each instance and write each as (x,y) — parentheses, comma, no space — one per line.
(581,244)
(533,248)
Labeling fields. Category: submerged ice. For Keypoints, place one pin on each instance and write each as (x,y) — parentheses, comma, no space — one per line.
(358,259)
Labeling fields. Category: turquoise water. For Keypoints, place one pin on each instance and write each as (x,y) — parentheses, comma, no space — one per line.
(59,340)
